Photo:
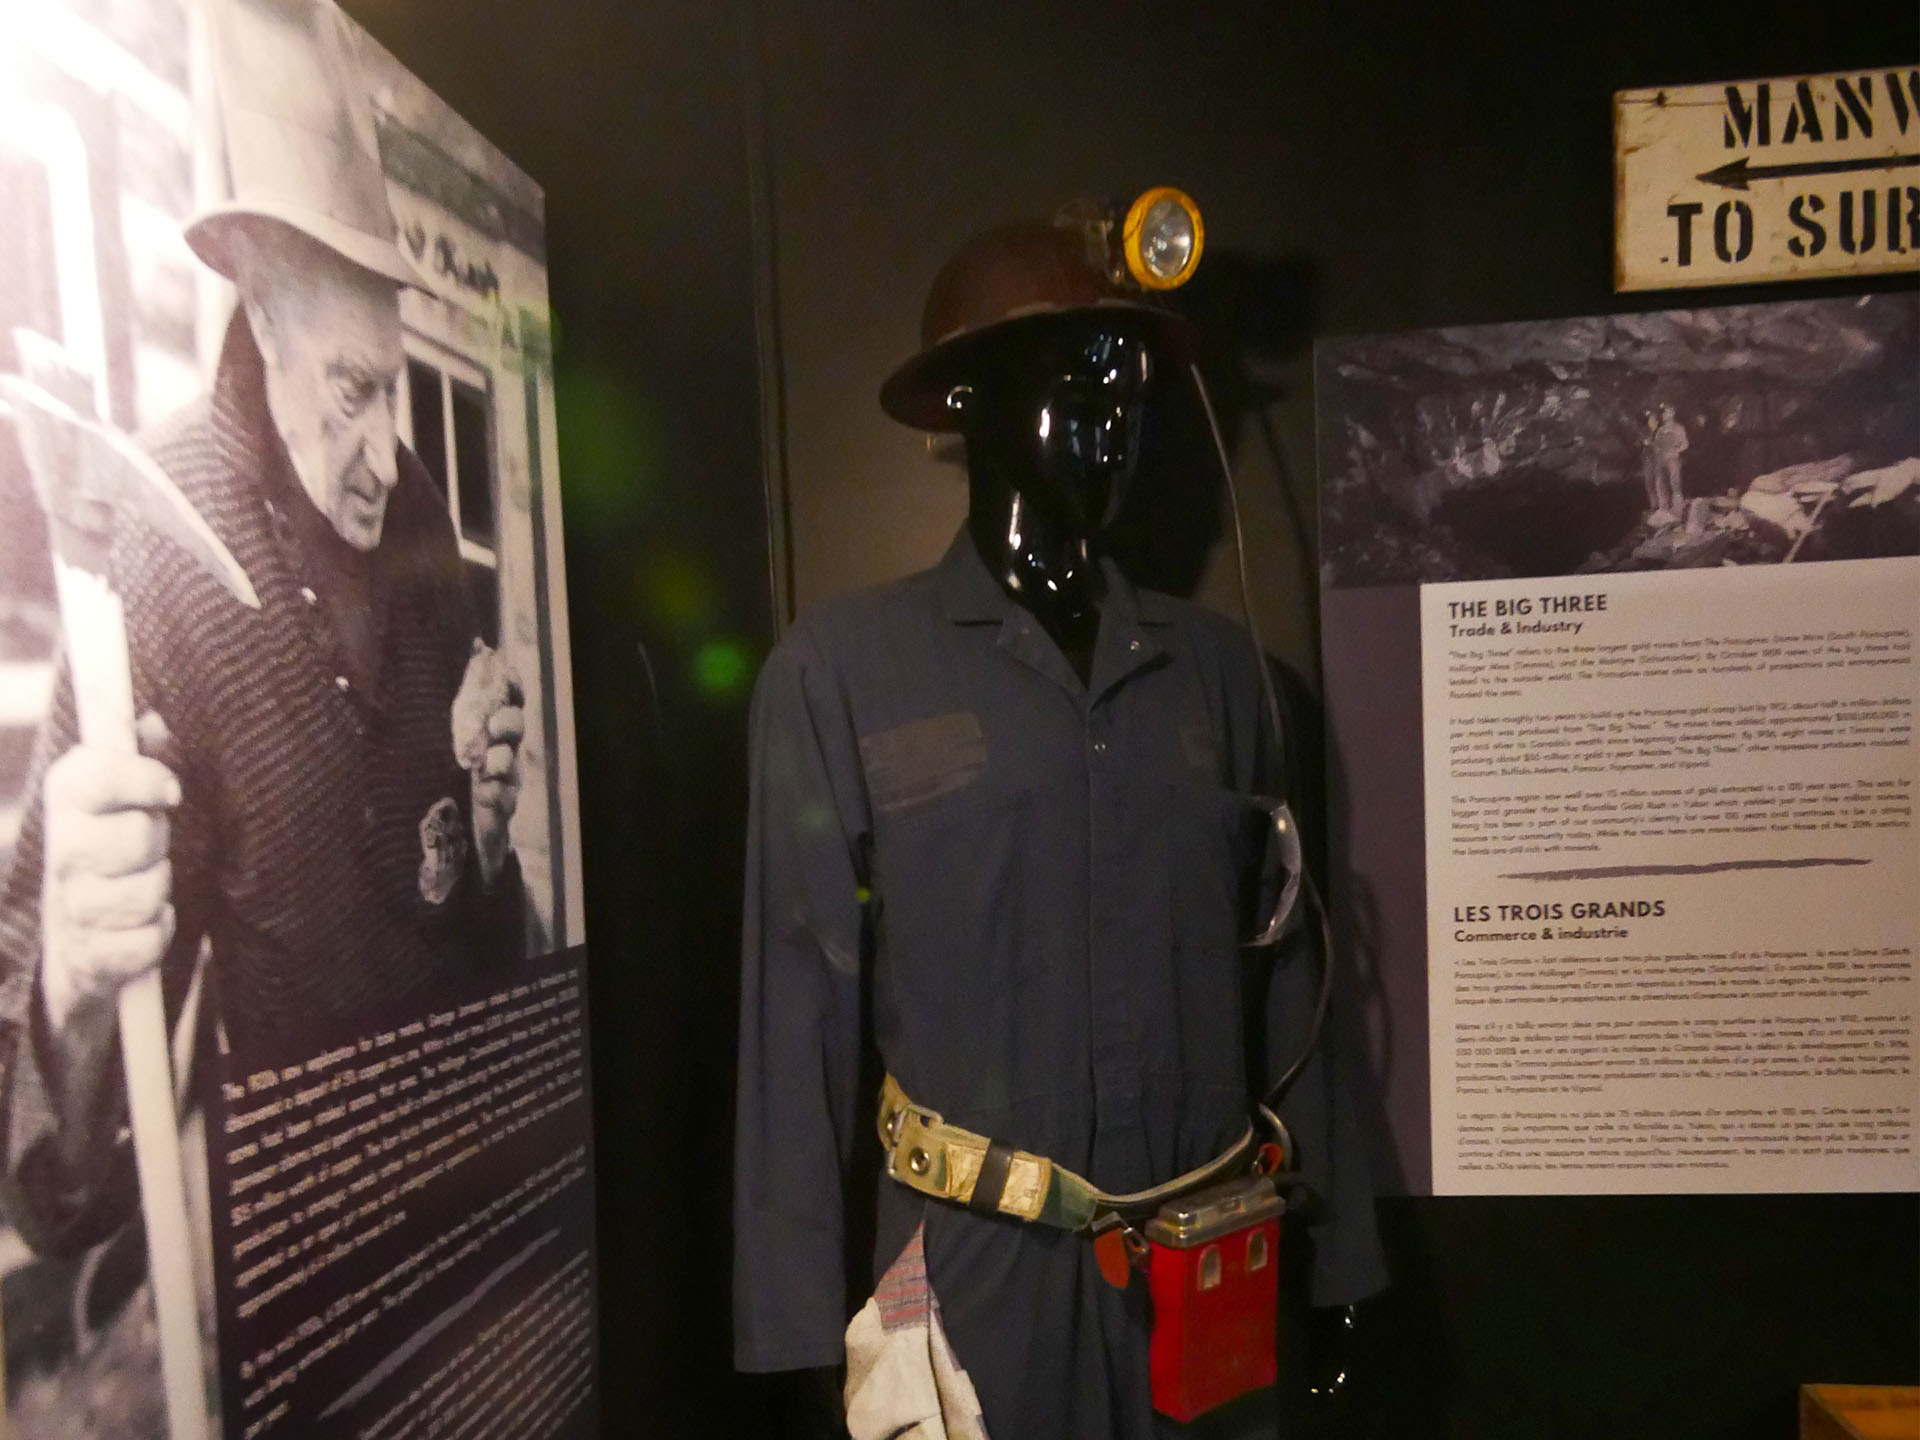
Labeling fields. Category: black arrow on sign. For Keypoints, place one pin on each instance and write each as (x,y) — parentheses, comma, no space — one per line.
(1737,174)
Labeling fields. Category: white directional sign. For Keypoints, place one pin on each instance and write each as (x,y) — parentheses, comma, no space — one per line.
(1794,177)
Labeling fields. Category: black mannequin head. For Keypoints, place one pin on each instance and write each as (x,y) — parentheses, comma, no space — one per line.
(1035,351)
(1051,413)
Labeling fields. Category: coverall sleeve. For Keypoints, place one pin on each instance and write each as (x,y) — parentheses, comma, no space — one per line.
(1323,1108)
(800,1018)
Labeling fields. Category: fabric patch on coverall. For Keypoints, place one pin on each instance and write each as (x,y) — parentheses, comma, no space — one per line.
(922,760)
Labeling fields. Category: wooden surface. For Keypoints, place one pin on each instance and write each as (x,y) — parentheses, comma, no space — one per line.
(1859,1412)
(1787,178)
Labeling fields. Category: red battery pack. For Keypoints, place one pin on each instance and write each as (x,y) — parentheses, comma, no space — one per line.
(1213,1267)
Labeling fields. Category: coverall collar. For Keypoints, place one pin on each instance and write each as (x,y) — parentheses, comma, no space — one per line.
(972,597)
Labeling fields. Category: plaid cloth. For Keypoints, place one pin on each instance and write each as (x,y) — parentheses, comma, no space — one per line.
(903,1381)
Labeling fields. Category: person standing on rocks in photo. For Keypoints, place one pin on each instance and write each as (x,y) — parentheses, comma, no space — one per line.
(1666,444)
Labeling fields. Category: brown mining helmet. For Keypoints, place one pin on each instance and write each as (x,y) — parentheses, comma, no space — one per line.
(1085,261)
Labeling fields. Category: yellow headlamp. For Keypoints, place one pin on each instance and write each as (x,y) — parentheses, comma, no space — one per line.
(1152,244)
(1162,238)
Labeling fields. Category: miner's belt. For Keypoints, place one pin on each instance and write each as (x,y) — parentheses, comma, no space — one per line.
(927,1154)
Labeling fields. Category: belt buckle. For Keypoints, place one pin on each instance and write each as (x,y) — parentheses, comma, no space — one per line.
(928,1119)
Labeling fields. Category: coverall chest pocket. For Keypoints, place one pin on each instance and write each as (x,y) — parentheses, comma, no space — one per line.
(1214,839)
(968,887)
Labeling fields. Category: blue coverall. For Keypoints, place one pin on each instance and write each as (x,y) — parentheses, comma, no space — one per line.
(1029,894)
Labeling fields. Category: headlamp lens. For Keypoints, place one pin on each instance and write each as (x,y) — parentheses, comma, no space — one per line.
(1162,239)
(1166,239)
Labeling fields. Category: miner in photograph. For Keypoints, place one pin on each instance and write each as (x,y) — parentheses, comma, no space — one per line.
(318,827)
(1666,444)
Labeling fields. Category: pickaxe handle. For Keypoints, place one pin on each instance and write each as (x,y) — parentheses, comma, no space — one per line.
(96,630)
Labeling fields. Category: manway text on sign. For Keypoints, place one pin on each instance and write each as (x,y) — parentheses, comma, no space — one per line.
(1789,178)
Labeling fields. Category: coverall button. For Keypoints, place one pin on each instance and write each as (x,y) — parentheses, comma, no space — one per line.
(918,1161)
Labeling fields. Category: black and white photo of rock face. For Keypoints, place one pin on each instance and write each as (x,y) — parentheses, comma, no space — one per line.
(1749,434)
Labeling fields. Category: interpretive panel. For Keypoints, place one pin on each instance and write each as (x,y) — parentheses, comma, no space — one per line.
(1620,621)
(388,1206)
(1670,841)
(294,1125)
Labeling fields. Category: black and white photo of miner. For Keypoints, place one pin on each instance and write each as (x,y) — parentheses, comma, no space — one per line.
(1743,435)
(318,823)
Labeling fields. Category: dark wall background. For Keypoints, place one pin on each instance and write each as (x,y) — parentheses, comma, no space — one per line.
(746,200)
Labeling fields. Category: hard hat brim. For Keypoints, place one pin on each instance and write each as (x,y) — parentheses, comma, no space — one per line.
(916,393)
(208,232)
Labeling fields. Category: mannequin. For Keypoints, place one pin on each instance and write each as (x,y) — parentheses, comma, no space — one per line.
(1000,832)
(1053,435)
(1052,427)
